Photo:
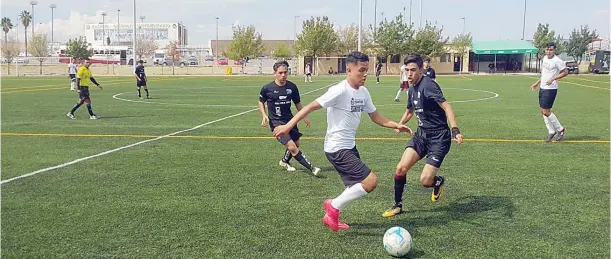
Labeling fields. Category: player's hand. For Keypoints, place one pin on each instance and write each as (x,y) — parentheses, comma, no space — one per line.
(533,87)
(264,121)
(456,135)
(307,122)
(100,86)
(404,128)
(549,82)
(281,130)
(78,91)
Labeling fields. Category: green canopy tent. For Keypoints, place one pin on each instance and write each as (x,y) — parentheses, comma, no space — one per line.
(502,48)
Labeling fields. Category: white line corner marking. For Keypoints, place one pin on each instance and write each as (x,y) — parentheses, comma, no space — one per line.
(139,143)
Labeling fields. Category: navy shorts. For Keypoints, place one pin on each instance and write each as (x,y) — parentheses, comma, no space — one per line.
(293,135)
(140,83)
(348,164)
(72,77)
(84,93)
(547,98)
(435,145)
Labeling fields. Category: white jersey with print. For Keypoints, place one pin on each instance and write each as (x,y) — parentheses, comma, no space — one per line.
(549,69)
(72,68)
(344,106)
(403,73)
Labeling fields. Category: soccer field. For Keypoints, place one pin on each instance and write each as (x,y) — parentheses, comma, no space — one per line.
(191,173)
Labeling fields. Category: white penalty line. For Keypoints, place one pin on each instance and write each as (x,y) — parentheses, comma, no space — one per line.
(137,143)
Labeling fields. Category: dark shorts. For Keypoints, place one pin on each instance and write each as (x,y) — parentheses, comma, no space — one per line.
(72,77)
(84,93)
(293,135)
(378,73)
(547,98)
(435,145)
(308,74)
(140,83)
(404,85)
(348,164)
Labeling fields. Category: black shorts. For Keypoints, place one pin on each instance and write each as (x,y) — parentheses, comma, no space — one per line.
(378,73)
(84,93)
(308,74)
(404,85)
(435,145)
(72,77)
(547,98)
(140,83)
(293,135)
(348,164)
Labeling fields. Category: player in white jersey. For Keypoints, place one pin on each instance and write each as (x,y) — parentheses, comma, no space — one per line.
(404,85)
(308,73)
(345,102)
(552,69)
(72,73)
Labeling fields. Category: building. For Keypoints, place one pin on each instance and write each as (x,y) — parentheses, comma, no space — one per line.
(121,34)
(268,45)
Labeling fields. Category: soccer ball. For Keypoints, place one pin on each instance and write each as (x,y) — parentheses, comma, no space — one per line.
(397,241)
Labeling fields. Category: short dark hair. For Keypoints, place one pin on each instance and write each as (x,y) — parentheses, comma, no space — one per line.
(279,64)
(414,59)
(427,59)
(550,45)
(355,57)
(141,61)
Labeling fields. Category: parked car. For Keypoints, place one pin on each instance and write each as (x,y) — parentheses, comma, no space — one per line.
(192,61)
(222,61)
(572,67)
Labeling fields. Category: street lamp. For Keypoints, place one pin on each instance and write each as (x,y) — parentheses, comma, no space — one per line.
(118,26)
(524,22)
(52,6)
(217,40)
(33,3)
(142,17)
(464,20)
(104,28)
(360,24)
(295,30)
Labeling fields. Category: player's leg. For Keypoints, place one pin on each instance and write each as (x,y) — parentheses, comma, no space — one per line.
(146,90)
(358,179)
(78,104)
(438,144)
(72,82)
(377,77)
(546,101)
(138,86)
(88,105)
(399,92)
(293,147)
(413,153)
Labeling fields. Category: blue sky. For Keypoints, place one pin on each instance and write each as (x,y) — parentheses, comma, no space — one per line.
(274,19)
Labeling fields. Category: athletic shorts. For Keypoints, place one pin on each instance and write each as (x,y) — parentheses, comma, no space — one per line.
(404,85)
(547,98)
(378,73)
(435,145)
(308,74)
(140,83)
(348,164)
(84,93)
(72,77)
(293,135)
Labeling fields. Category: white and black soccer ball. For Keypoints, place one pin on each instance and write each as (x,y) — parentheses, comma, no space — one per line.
(397,241)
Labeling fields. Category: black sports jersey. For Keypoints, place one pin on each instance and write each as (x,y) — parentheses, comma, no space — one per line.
(379,67)
(279,99)
(424,98)
(140,72)
(430,72)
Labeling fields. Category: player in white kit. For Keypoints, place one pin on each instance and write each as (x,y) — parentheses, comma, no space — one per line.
(72,74)
(552,69)
(345,102)
(404,84)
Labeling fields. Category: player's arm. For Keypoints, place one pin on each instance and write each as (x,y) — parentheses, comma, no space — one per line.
(379,119)
(434,75)
(534,86)
(409,113)
(262,100)
(95,82)
(452,119)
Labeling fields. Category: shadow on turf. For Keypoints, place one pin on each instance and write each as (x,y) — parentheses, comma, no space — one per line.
(466,209)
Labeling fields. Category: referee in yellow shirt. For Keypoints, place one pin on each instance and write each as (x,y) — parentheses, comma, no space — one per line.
(83,79)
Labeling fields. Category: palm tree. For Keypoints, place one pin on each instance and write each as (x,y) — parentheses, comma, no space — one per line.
(26,19)
(7,25)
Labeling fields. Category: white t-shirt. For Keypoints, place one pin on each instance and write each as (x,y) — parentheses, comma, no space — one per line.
(549,69)
(403,73)
(72,68)
(344,106)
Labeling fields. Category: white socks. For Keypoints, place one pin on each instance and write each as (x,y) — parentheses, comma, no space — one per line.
(555,122)
(398,93)
(548,124)
(72,85)
(351,193)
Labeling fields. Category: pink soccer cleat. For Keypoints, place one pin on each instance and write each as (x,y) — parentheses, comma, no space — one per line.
(331,217)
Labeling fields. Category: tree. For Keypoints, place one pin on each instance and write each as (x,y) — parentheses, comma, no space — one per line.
(561,44)
(542,36)
(26,19)
(317,37)
(173,53)
(78,49)
(145,46)
(428,42)
(461,43)
(7,25)
(347,38)
(578,42)
(246,42)
(282,51)
(393,37)
(10,50)
(40,48)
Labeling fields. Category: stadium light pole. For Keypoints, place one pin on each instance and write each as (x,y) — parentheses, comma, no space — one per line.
(360,24)
(52,6)
(375,16)
(464,21)
(410,12)
(104,28)
(142,17)
(524,22)
(33,3)
(420,25)
(217,40)
(118,25)
(134,45)
(295,30)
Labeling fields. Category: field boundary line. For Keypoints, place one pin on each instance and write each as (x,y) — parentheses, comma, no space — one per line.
(140,143)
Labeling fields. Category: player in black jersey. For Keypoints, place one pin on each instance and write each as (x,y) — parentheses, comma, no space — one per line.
(141,79)
(428,70)
(433,137)
(278,95)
